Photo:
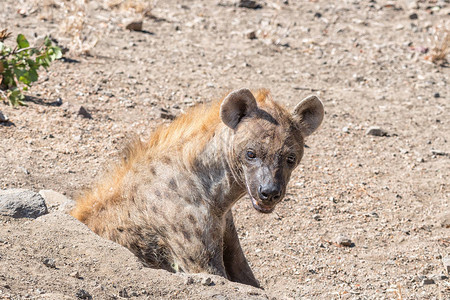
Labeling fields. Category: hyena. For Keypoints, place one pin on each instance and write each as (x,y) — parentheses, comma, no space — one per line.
(169,201)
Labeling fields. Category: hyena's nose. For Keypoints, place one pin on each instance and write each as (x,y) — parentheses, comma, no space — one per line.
(269,192)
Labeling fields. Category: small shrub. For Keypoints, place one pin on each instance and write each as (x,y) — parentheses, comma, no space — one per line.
(19,66)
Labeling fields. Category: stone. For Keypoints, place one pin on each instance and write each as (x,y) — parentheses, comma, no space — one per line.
(123,293)
(168,116)
(49,262)
(376,131)
(21,203)
(84,113)
(413,16)
(251,35)
(188,280)
(427,281)
(345,129)
(444,220)
(317,217)
(437,95)
(83,294)
(3,117)
(438,152)
(207,281)
(249,4)
(446,263)
(56,201)
(344,241)
(75,274)
(135,25)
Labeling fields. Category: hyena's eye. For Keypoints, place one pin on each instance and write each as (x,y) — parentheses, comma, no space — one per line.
(251,154)
(291,159)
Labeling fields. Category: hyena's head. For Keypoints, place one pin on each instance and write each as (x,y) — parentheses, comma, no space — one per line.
(267,142)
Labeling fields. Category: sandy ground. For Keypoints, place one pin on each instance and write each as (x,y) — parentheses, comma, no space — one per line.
(367,60)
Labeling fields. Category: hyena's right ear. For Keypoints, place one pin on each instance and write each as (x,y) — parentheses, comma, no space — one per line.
(236,105)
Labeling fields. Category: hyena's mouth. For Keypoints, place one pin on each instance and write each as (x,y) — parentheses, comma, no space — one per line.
(260,207)
(266,209)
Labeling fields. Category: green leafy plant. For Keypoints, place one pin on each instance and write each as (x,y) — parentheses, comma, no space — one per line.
(19,66)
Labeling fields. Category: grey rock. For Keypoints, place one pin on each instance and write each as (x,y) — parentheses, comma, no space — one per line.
(251,35)
(134,26)
(207,281)
(444,219)
(21,203)
(376,131)
(413,16)
(249,4)
(446,263)
(83,294)
(188,280)
(75,274)
(427,281)
(317,217)
(56,201)
(439,152)
(123,293)
(84,113)
(49,262)
(168,116)
(344,241)
(3,117)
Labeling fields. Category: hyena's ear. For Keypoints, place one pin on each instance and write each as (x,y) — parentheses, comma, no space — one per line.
(235,106)
(308,114)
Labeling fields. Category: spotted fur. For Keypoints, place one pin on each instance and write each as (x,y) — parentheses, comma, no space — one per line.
(169,200)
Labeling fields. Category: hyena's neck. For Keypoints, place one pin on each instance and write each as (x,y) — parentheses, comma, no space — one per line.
(214,168)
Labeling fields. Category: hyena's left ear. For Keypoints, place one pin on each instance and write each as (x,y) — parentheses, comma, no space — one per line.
(237,105)
(308,114)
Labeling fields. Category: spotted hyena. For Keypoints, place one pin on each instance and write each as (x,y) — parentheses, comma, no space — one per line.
(169,201)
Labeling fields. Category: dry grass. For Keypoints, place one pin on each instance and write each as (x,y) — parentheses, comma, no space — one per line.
(441,47)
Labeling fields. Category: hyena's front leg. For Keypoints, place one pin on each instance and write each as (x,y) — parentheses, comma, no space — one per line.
(236,264)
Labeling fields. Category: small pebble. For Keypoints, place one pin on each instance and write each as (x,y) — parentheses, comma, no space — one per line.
(446,263)
(3,117)
(317,217)
(134,26)
(249,4)
(376,131)
(49,262)
(344,241)
(346,129)
(437,95)
(123,293)
(83,294)
(438,152)
(189,280)
(413,16)
(167,116)
(251,35)
(84,113)
(75,274)
(206,281)
(427,281)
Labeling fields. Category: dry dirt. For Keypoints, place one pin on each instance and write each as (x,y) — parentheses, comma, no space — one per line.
(367,60)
